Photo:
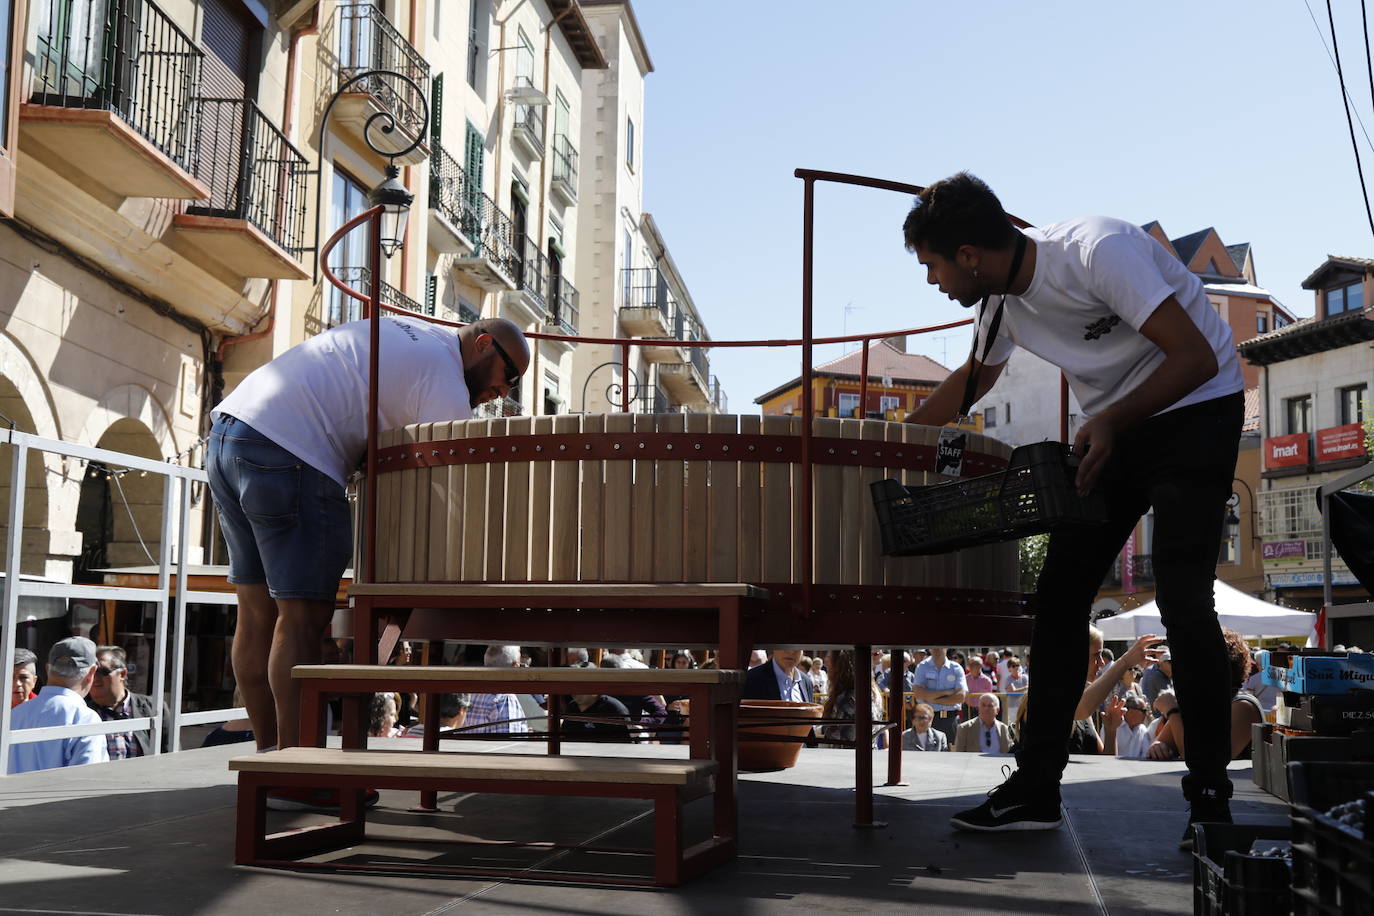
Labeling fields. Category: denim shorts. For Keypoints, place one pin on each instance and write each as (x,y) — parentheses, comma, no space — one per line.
(286,524)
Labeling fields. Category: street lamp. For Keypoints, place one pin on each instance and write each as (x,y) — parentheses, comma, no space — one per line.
(395,200)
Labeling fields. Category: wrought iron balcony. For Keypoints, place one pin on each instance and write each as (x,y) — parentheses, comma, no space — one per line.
(653,399)
(345,308)
(532,274)
(494,262)
(501,407)
(450,196)
(564,180)
(254,220)
(563,295)
(111,79)
(646,306)
(718,397)
(527,130)
(368,41)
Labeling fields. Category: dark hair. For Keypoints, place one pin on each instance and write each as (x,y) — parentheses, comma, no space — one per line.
(955,211)
(118,656)
(1237,656)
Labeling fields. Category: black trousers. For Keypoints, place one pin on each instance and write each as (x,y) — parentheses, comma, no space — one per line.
(1181,463)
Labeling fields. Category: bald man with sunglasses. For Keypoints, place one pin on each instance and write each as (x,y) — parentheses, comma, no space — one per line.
(282,448)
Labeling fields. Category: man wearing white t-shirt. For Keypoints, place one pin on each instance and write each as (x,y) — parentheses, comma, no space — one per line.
(282,448)
(1156,372)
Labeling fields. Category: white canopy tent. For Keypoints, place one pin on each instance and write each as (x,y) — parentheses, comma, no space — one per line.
(1246,615)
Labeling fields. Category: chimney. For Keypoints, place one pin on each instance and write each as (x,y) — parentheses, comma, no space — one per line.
(896,343)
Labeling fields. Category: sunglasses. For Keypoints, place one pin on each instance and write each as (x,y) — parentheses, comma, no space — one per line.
(106,672)
(512,371)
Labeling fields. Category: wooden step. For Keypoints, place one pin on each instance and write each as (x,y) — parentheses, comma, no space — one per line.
(327,762)
(559,590)
(593,676)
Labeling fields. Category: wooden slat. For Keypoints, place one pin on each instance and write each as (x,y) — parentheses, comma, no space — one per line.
(441,673)
(777,509)
(642,498)
(494,564)
(388,496)
(854,514)
(896,570)
(498,592)
(924,571)
(564,514)
(696,514)
(515,558)
(512,767)
(750,507)
(592,512)
(455,509)
(616,543)
(436,498)
(828,535)
(399,537)
(475,510)
(668,502)
(541,506)
(724,499)
(418,567)
(865,519)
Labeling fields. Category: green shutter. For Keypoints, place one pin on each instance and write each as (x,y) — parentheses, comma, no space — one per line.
(473,158)
(436,108)
(431,294)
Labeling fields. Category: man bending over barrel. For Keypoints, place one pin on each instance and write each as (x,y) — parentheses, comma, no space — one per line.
(282,447)
(1156,373)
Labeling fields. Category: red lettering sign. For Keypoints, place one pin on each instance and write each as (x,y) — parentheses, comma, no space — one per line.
(1289,451)
(1340,442)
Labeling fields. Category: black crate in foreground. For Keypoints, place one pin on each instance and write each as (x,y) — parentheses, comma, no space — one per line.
(1035,494)
(1333,863)
(1229,881)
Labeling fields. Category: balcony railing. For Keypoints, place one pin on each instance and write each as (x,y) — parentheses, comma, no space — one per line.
(565,167)
(653,399)
(644,288)
(490,229)
(501,407)
(531,274)
(564,297)
(120,56)
(449,191)
(368,41)
(253,172)
(718,397)
(529,127)
(345,308)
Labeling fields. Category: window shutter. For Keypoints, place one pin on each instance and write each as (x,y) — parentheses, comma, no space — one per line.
(436,108)
(431,294)
(228,34)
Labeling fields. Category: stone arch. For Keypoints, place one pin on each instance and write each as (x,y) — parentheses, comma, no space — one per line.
(133,402)
(27,402)
(120,515)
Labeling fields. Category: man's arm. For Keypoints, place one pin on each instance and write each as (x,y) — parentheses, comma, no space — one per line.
(943,404)
(1188,362)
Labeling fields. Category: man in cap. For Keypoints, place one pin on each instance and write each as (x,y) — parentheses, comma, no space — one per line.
(1158,676)
(111,698)
(71,669)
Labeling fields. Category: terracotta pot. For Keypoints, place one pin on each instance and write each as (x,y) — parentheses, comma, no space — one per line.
(773,755)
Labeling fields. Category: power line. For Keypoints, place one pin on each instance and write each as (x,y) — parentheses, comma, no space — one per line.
(1359,168)
(1322,35)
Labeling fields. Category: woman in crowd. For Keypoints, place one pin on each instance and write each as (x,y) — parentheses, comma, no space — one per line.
(840,704)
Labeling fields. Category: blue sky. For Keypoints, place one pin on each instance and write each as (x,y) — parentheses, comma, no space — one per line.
(1224,114)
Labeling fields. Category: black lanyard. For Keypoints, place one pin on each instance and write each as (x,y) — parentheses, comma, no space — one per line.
(972,384)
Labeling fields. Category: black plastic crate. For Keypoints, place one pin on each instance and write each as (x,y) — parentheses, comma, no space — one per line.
(1035,494)
(1333,864)
(1259,754)
(1285,749)
(1229,881)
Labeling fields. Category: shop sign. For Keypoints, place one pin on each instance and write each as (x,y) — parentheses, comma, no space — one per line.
(1289,451)
(1340,442)
(1292,580)
(1285,550)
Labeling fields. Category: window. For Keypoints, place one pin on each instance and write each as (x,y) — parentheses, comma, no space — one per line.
(552,399)
(1348,298)
(889,402)
(1350,404)
(1261,322)
(475,41)
(1006,413)
(630,142)
(990,417)
(1280,321)
(347,199)
(849,405)
(474,157)
(1299,411)
(629,255)
(11,66)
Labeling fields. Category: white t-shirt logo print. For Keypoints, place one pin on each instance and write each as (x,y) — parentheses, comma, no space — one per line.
(1100,327)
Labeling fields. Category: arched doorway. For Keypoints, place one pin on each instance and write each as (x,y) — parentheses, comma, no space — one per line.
(120,512)
(36,538)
